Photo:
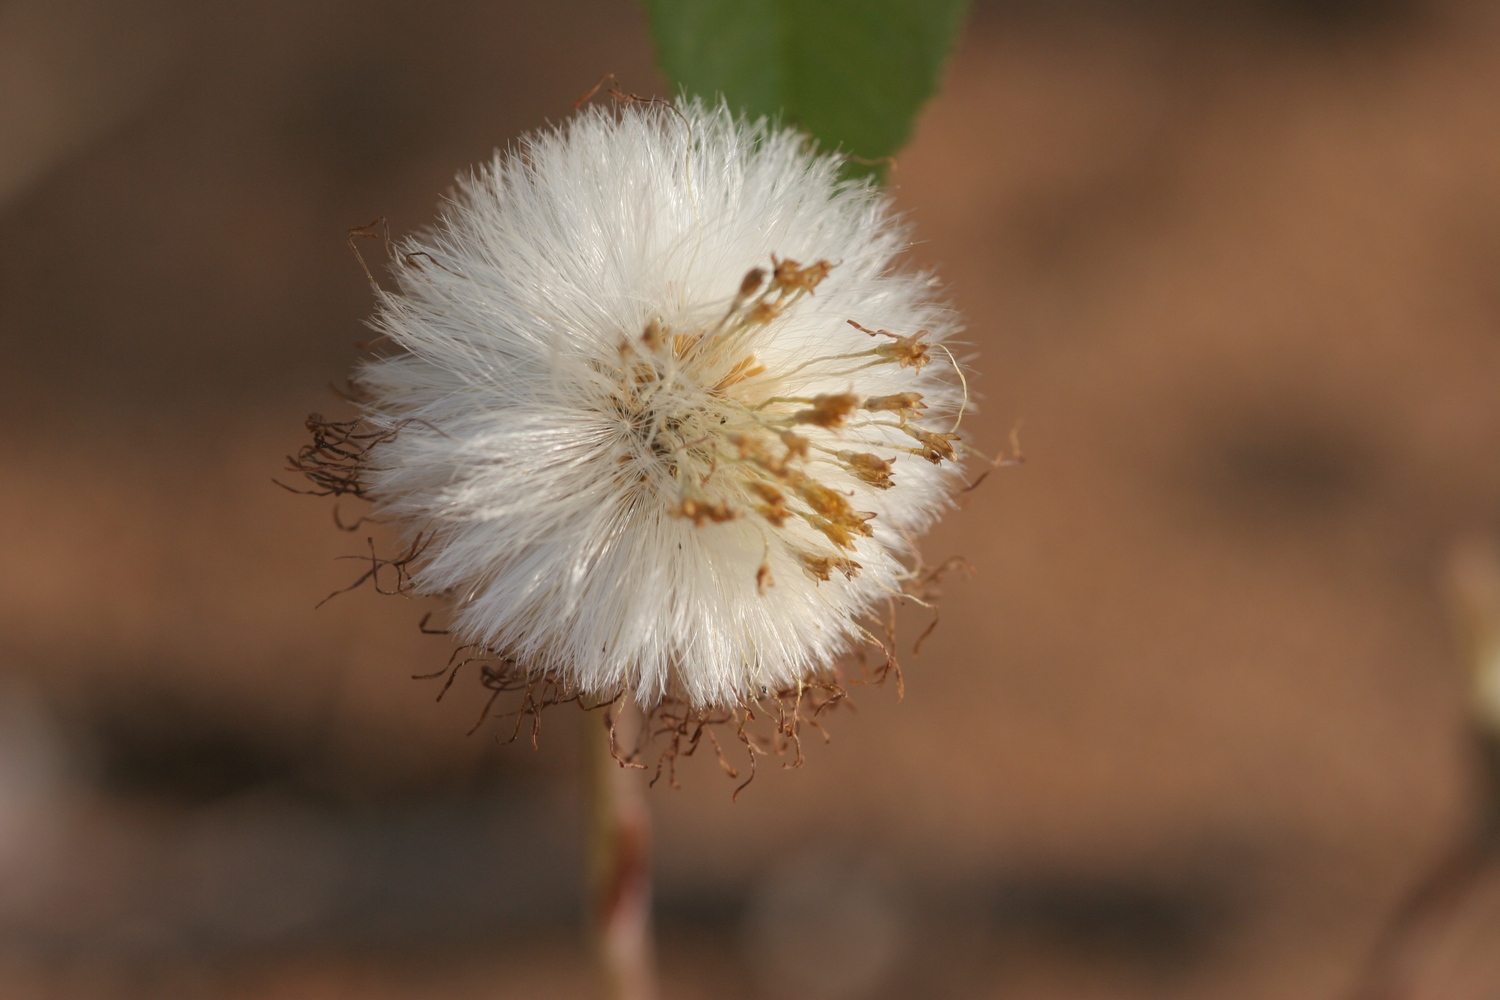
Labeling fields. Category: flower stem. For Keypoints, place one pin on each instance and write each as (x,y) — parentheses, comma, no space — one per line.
(620,861)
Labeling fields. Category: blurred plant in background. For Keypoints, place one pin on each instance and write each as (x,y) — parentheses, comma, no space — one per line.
(1443,942)
(854,76)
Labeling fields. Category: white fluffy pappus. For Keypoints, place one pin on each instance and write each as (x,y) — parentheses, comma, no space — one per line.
(662,407)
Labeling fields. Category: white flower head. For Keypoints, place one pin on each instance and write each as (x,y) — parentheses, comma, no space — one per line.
(662,409)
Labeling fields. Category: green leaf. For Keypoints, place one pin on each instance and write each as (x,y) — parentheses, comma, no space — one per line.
(853,73)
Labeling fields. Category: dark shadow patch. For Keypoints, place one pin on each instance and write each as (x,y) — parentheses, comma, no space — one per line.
(365,116)
(1342,16)
(1272,467)
(1148,922)
(161,745)
(1315,19)
(713,911)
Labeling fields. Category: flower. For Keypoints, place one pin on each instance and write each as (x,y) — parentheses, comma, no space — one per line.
(662,411)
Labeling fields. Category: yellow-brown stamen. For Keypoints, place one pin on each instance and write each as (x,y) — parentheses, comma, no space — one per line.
(746,368)
(738,451)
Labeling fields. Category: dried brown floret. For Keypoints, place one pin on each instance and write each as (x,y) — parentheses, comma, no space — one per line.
(828,410)
(789,275)
(796,444)
(936,447)
(701,511)
(754,278)
(907,404)
(908,352)
(822,567)
(871,469)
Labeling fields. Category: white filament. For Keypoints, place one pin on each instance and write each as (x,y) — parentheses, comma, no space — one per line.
(555,511)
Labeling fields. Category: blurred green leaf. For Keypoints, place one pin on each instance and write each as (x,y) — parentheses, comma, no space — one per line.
(854,73)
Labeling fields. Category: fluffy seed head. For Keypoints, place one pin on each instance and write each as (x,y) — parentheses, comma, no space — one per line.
(662,405)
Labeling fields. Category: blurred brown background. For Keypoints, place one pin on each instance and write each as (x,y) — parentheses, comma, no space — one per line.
(1191,731)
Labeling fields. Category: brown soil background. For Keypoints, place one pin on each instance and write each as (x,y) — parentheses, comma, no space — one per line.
(1192,729)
